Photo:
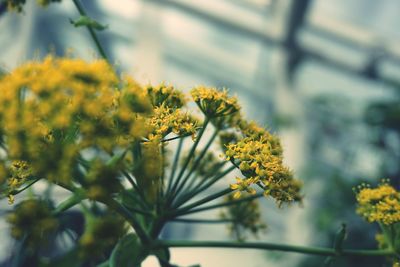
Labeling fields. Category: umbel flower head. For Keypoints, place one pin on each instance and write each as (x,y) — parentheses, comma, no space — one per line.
(258,155)
(169,115)
(213,102)
(381,204)
(52,110)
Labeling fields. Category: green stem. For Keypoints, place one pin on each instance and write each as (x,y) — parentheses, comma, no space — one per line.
(120,209)
(186,209)
(187,161)
(91,31)
(162,178)
(201,221)
(143,201)
(197,161)
(69,202)
(115,205)
(175,164)
(193,186)
(14,192)
(225,204)
(175,137)
(143,212)
(192,194)
(272,246)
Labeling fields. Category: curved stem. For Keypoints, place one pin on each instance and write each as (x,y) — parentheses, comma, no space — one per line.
(91,31)
(271,246)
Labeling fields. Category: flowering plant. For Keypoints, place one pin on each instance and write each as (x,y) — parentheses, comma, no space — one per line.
(135,158)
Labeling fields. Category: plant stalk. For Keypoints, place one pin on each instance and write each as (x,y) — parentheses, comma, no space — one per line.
(92,33)
(271,246)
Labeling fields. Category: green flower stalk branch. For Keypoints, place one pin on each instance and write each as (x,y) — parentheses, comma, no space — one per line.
(92,26)
(270,246)
(137,158)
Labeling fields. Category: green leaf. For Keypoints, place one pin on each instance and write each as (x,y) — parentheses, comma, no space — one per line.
(128,252)
(88,22)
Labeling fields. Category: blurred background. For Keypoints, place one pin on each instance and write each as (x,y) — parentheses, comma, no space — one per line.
(324,75)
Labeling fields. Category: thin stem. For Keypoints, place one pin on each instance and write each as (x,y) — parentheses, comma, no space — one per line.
(175,164)
(193,186)
(186,209)
(201,221)
(272,246)
(187,161)
(175,137)
(143,212)
(197,161)
(214,180)
(225,204)
(17,191)
(161,188)
(138,191)
(69,202)
(115,205)
(192,194)
(91,31)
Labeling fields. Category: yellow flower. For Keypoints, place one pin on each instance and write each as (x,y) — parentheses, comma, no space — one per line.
(166,120)
(381,204)
(213,102)
(166,95)
(259,157)
(53,109)
(243,185)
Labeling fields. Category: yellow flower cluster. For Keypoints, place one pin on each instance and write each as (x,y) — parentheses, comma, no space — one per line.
(51,110)
(213,102)
(169,116)
(166,95)
(258,155)
(148,173)
(166,120)
(19,174)
(381,204)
